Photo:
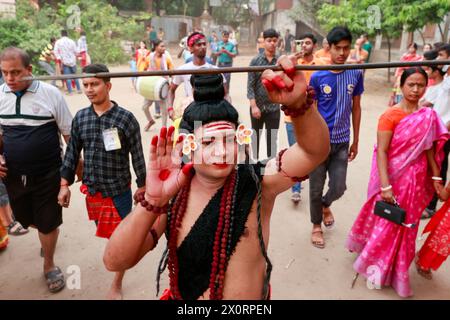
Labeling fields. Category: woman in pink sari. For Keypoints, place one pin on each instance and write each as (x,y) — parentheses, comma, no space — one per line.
(408,154)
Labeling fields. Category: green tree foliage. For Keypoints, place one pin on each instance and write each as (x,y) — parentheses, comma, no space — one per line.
(416,14)
(135,5)
(355,14)
(234,13)
(105,29)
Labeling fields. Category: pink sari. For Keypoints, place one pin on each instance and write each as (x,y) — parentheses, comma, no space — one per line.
(382,244)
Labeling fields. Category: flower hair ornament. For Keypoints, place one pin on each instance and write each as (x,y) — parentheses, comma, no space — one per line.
(243,135)
(189,143)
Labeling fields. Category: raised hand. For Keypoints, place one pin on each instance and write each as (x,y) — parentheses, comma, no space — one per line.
(286,87)
(164,174)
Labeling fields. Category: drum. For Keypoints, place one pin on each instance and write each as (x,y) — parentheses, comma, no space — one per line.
(153,88)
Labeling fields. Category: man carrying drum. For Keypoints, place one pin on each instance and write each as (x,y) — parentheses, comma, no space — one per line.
(158,60)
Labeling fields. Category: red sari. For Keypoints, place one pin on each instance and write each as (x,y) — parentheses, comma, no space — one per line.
(437,247)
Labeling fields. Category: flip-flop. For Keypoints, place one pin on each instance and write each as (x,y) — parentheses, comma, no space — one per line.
(318,244)
(55,280)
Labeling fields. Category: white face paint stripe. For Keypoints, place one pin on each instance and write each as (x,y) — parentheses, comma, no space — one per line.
(222,132)
(218,124)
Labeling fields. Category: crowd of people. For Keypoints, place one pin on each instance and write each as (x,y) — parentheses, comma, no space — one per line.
(61,56)
(208,189)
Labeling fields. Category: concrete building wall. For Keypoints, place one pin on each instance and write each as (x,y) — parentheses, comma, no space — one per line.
(7,8)
(175,27)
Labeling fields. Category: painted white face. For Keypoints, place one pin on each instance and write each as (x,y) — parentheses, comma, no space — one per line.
(217,141)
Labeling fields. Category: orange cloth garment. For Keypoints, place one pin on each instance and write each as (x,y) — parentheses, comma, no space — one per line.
(390,119)
(325,56)
(3,236)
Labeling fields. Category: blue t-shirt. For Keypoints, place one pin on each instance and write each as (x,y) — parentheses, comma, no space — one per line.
(335,92)
(133,66)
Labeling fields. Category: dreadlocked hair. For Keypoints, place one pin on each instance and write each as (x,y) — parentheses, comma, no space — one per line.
(209,106)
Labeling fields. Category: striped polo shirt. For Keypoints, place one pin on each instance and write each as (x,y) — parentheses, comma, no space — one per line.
(335,92)
(31,124)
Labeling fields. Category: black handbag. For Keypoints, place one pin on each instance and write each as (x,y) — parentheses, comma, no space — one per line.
(392,212)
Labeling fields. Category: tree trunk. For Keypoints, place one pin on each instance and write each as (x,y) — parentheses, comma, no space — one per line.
(422,36)
(389,55)
(441,32)
(148,5)
(446,28)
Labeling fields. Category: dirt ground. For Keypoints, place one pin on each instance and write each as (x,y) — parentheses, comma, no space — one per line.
(300,270)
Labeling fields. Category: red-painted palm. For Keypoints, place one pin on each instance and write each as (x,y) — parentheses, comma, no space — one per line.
(165,177)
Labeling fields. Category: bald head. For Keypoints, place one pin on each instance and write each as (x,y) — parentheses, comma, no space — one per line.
(13,53)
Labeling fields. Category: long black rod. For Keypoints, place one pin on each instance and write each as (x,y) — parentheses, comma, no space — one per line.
(379,65)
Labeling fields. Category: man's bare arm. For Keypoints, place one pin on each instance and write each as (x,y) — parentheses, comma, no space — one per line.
(171,96)
(121,255)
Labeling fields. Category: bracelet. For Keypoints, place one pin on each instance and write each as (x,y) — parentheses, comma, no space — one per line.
(293,113)
(154,209)
(170,109)
(389,187)
(435,178)
(64,185)
(279,169)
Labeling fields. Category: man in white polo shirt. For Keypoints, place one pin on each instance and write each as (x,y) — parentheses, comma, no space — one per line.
(198,46)
(33,116)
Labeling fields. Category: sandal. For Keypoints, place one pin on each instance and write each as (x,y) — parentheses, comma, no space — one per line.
(317,243)
(426,273)
(55,280)
(328,223)
(16,229)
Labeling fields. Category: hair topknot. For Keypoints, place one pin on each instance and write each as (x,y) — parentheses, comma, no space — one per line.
(209,104)
(207,87)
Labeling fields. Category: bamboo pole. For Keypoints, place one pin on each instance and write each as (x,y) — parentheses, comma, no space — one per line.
(379,65)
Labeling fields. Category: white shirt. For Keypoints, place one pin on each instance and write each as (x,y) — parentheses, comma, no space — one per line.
(66,51)
(82,44)
(432,93)
(442,104)
(43,103)
(186,78)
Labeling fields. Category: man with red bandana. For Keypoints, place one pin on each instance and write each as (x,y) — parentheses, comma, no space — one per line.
(197,45)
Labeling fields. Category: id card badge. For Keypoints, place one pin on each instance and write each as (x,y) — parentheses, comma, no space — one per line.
(111,139)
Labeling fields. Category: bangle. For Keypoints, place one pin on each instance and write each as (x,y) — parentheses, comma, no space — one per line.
(437,178)
(170,109)
(389,187)
(64,185)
